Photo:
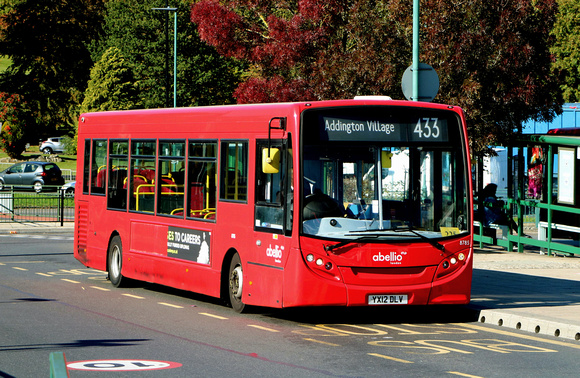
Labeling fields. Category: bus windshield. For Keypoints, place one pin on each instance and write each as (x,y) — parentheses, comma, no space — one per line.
(385,171)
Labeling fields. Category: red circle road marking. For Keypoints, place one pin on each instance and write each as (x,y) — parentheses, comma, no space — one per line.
(122,365)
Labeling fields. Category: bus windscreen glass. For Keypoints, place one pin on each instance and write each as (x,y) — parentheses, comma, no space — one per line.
(380,171)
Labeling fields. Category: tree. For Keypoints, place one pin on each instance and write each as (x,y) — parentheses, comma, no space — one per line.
(203,77)
(567,48)
(14,117)
(112,85)
(492,56)
(494,60)
(47,44)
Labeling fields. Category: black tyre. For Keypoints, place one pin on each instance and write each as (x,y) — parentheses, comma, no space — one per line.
(235,284)
(37,187)
(1,185)
(47,150)
(115,262)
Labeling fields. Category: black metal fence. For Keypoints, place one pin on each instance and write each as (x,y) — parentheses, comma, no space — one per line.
(47,206)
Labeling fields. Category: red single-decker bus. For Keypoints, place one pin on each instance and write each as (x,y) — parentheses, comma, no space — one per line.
(357,202)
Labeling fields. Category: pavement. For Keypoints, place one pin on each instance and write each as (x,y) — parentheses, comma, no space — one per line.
(528,291)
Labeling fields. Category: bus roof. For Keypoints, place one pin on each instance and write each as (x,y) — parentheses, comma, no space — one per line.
(267,107)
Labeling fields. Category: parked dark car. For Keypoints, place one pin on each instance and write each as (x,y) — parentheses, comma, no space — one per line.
(32,174)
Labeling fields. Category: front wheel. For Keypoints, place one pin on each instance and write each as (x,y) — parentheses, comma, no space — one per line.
(236,280)
(115,262)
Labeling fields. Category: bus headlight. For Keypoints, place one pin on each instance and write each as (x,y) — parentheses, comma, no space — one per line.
(450,265)
(322,265)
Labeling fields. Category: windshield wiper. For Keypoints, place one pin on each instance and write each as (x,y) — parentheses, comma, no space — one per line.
(329,248)
(434,243)
(378,233)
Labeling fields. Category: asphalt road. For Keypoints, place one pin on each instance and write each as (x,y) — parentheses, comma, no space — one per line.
(51,303)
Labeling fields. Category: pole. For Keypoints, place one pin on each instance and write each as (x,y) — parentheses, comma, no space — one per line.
(415,68)
(174,10)
(175,59)
(166,56)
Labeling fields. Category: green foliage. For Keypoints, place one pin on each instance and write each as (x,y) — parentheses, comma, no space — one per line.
(112,85)
(4,63)
(492,56)
(567,49)
(70,145)
(203,77)
(493,59)
(46,42)
(15,116)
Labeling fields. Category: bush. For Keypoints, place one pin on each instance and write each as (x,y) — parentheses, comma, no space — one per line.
(70,145)
(14,116)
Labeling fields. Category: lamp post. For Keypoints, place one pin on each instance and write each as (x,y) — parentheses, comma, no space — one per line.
(415,96)
(174,10)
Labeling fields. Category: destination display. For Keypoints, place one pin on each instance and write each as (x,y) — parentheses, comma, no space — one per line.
(430,129)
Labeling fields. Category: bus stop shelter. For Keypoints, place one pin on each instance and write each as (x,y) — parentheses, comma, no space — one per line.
(542,194)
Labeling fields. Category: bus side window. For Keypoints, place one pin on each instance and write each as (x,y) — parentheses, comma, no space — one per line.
(87,166)
(141,179)
(234,171)
(201,201)
(99,167)
(272,193)
(171,190)
(118,161)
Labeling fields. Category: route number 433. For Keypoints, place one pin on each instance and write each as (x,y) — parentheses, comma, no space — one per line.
(427,128)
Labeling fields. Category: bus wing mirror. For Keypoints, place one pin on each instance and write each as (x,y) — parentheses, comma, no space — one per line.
(386,159)
(270,160)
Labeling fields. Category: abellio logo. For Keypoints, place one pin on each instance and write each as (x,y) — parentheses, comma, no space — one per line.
(392,257)
(275,252)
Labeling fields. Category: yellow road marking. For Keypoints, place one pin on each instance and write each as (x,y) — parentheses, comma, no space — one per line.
(100,288)
(464,375)
(44,274)
(263,328)
(67,280)
(213,316)
(391,358)
(134,296)
(321,342)
(18,268)
(169,305)
(513,334)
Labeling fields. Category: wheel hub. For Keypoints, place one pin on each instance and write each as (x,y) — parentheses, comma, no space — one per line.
(236,282)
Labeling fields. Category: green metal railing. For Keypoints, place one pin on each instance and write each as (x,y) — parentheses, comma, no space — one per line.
(518,239)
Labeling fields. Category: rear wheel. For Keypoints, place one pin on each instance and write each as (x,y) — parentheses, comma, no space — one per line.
(37,187)
(115,262)
(235,284)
